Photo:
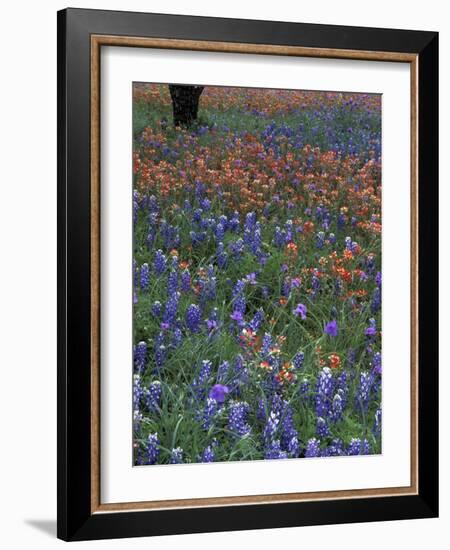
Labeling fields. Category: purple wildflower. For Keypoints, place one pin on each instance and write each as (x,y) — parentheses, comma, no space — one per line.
(331,328)
(300,311)
(218,392)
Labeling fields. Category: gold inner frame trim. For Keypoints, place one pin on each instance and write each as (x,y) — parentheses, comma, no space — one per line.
(97,41)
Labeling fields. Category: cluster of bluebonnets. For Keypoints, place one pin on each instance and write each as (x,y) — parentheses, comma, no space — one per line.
(257,278)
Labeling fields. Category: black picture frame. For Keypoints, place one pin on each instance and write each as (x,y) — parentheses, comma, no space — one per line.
(75,519)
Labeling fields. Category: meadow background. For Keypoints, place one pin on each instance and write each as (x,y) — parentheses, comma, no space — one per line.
(257,276)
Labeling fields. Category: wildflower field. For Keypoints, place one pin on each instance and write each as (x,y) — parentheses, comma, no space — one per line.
(257,276)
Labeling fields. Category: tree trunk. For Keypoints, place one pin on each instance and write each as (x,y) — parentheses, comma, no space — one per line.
(185,101)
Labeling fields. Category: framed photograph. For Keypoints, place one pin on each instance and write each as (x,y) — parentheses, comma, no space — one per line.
(247,253)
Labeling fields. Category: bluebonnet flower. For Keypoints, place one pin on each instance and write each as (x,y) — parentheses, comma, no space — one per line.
(261,410)
(140,356)
(160,262)
(293,447)
(205,204)
(222,256)
(315,283)
(145,277)
(156,309)
(160,356)
(271,427)
(322,430)
(298,359)
(279,237)
(335,448)
(154,396)
(305,388)
(370,264)
(193,317)
(378,279)
(152,449)
(234,222)
(324,390)
(376,362)
(312,448)
(239,302)
(237,418)
(274,451)
(362,395)
(153,204)
(289,435)
(160,350)
(208,454)
(138,417)
(185,281)
(135,205)
(208,413)
(255,245)
(331,328)
(219,232)
(218,392)
(170,311)
(138,391)
(337,407)
(177,337)
(266,344)
(256,322)
(300,311)
(320,239)
(236,248)
(376,300)
(172,282)
(250,220)
(288,228)
(176,456)
(201,380)
(356,447)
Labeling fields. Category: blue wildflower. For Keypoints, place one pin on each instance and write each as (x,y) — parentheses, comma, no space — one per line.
(193,317)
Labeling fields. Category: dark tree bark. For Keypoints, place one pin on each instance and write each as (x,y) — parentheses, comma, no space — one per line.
(185,101)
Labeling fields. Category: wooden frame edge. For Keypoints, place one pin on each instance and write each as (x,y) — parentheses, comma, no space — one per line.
(230,47)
